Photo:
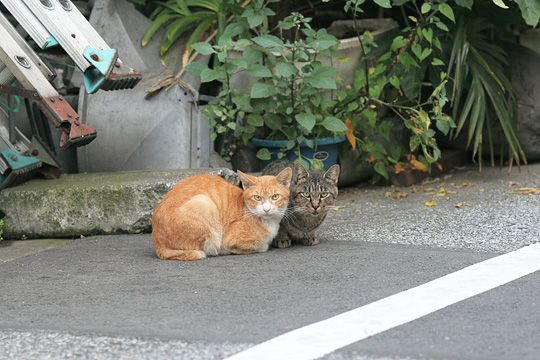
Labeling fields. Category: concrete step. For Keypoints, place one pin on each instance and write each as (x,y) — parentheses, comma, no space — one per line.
(89,204)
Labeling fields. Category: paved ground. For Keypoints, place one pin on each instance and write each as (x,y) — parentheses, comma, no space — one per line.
(110,298)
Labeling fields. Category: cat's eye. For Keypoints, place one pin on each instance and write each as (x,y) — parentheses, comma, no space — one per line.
(275,196)
(324,194)
(304,194)
(257,197)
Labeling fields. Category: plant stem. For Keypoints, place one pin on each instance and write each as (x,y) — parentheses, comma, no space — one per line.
(293,77)
(227,79)
(366,70)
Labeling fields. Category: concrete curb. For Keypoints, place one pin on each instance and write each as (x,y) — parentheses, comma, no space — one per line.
(89,204)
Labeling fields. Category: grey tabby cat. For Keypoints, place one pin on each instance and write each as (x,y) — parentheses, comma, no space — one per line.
(312,194)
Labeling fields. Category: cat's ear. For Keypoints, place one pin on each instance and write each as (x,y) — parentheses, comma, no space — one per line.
(301,172)
(246,180)
(332,174)
(284,177)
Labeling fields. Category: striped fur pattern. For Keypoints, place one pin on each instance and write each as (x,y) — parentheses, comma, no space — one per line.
(312,195)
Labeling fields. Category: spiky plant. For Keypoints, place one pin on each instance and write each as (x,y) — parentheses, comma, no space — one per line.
(482,97)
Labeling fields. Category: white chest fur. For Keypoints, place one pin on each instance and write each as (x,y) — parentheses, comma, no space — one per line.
(272,226)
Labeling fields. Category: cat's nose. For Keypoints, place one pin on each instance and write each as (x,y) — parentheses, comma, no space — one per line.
(267,207)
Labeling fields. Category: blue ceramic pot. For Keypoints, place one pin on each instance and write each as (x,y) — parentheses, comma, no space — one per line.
(325,150)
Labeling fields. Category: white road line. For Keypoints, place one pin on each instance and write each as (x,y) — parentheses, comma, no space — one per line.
(323,337)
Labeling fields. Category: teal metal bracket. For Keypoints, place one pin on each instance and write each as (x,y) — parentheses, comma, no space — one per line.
(51,42)
(102,62)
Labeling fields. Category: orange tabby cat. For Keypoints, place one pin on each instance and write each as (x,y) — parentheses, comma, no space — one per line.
(204,215)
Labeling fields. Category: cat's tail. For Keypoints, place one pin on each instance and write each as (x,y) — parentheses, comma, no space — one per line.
(186,255)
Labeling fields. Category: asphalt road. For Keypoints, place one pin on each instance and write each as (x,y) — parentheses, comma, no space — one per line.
(110,298)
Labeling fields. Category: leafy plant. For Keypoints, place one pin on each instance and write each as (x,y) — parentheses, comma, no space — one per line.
(482,96)
(182,17)
(432,56)
(287,100)
(403,80)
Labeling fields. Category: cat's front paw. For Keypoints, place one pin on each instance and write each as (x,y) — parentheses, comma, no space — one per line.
(282,243)
(310,241)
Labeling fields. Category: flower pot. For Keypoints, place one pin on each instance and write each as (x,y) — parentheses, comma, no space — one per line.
(349,48)
(326,150)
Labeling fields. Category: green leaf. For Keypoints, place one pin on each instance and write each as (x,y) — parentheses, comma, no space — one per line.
(252,56)
(530,10)
(398,43)
(383,3)
(443,126)
(203,48)
(306,120)
(425,8)
(255,20)
(380,168)
(258,70)
(322,77)
(268,42)
(208,75)
(371,117)
(255,120)
(447,11)
(467,3)
(394,80)
(231,125)
(407,60)
(428,34)
(417,50)
(159,21)
(500,3)
(333,124)
(262,90)
(425,53)
(242,43)
(437,62)
(198,32)
(285,69)
(264,154)
(241,100)
(196,68)
(272,121)
(441,25)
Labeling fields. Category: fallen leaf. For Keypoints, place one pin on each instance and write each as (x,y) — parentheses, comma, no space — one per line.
(512,183)
(443,192)
(461,205)
(439,166)
(428,190)
(526,191)
(350,133)
(431,203)
(462,185)
(401,195)
(396,194)
(419,165)
(430,181)
(398,168)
